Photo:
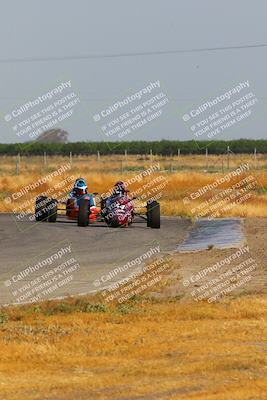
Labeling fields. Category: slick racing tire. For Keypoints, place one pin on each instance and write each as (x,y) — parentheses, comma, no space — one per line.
(153,215)
(83,213)
(52,211)
(41,213)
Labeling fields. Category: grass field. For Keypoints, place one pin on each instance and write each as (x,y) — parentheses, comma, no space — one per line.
(180,177)
(77,349)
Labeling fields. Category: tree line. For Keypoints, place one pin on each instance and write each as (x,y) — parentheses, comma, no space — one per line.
(164,147)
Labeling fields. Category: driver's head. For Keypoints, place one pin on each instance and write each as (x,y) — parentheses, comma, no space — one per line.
(80,186)
(119,188)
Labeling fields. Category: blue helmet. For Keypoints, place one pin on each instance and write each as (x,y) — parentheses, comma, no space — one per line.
(80,186)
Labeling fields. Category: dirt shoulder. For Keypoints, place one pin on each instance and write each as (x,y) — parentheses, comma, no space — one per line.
(209,271)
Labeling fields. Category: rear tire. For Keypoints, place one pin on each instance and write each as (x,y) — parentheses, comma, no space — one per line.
(41,213)
(68,208)
(153,215)
(148,214)
(52,211)
(84,211)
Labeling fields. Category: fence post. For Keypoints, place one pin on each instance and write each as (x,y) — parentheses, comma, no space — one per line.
(45,159)
(125,156)
(228,157)
(151,156)
(207,155)
(255,158)
(98,155)
(70,159)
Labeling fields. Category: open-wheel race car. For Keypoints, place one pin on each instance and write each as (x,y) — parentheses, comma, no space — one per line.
(114,211)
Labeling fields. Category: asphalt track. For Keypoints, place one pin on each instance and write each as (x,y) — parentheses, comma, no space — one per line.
(97,251)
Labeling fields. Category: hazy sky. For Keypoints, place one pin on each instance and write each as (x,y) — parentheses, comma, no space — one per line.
(31,30)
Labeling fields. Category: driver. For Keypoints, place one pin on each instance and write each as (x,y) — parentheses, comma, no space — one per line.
(118,209)
(119,189)
(119,193)
(80,190)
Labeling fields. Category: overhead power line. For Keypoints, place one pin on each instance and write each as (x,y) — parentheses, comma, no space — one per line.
(136,54)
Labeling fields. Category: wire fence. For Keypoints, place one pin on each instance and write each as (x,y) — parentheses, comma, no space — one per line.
(207,163)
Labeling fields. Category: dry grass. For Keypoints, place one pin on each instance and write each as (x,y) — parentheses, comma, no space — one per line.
(152,349)
(186,175)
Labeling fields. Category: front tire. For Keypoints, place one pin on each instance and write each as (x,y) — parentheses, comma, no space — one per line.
(83,213)
(52,211)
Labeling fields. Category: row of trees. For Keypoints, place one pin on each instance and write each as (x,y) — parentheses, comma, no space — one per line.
(164,147)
